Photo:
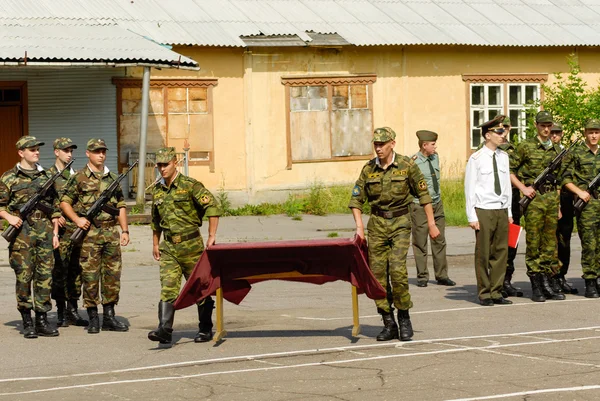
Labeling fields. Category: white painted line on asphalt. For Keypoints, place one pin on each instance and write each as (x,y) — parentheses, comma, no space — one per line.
(296,366)
(487,308)
(531,392)
(301,352)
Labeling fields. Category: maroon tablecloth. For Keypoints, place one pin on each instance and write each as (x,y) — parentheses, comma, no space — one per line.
(223,266)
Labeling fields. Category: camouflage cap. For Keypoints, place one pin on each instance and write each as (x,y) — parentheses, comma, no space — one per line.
(543,117)
(427,136)
(64,143)
(506,121)
(383,134)
(28,142)
(96,143)
(593,123)
(556,127)
(165,155)
(494,124)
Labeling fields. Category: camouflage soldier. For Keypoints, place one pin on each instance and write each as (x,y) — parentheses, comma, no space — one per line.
(30,253)
(429,163)
(101,249)
(582,165)
(488,198)
(528,160)
(389,183)
(178,206)
(66,275)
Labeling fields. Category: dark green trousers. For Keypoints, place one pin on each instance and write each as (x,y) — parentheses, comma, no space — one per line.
(420,235)
(491,252)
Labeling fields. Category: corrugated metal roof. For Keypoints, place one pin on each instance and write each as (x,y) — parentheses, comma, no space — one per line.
(359,22)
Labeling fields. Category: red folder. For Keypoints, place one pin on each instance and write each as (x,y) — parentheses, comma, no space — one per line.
(514,232)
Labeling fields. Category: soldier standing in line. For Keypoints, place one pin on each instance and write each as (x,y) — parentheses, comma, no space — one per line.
(488,205)
(178,205)
(429,163)
(582,165)
(30,253)
(101,249)
(565,224)
(66,275)
(528,160)
(389,183)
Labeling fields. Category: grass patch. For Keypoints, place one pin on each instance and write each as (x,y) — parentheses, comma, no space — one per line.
(453,196)
(333,235)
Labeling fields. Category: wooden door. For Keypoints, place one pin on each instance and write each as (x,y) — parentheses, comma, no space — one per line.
(13,121)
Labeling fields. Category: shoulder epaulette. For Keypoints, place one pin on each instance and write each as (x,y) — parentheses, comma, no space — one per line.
(414,157)
(476,154)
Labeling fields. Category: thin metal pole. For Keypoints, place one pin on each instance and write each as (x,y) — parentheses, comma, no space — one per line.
(140,198)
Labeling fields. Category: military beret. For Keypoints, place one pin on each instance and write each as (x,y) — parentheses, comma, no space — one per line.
(543,117)
(556,127)
(96,143)
(593,123)
(427,136)
(64,143)
(165,155)
(383,134)
(28,142)
(493,124)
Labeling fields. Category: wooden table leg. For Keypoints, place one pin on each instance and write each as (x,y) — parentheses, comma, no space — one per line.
(220,331)
(355,319)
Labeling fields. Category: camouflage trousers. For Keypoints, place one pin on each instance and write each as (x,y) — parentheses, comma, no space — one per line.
(541,219)
(66,275)
(31,258)
(389,240)
(588,228)
(101,266)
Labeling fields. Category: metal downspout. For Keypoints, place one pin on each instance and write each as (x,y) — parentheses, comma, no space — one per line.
(140,198)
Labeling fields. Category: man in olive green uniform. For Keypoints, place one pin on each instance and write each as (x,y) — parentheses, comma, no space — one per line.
(429,163)
(178,205)
(101,249)
(389,183)
(66,275)
(30,253)
(528,160)
(582,166)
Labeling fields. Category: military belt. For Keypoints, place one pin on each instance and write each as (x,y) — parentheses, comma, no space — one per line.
(38,215)
(104,224)
(178,238)
(389,214)
(546,188)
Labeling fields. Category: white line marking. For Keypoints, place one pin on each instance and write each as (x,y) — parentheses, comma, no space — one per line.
(303,365)
(547,390)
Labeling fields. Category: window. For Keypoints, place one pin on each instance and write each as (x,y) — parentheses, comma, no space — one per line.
(490,95)
(329,118)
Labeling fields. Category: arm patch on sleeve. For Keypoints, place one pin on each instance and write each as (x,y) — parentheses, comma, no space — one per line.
(422,185)
(356,190)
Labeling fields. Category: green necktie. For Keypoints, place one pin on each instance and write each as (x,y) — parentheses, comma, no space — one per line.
(436,185)
(496,178)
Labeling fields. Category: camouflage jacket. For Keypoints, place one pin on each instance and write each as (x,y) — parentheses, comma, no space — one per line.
(530,158)
(180,207)
(581,165)
(17,187)
(390,189)
(62,179)
(83,189)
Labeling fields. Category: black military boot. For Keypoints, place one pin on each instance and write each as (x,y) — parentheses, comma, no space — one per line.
(73,316)
(548,290)
(591,289)
(109,322)
(28,329)
(508,289)
(166,314)
(205,317)
(94,326)
(566,287)
(390,328)
(556,285)
(536,288)
(61,320)
(42,327)
(406,330)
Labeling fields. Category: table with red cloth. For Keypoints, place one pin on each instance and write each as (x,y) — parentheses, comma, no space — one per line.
(229,270)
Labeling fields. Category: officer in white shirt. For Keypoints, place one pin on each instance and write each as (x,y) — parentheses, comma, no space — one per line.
(488,196)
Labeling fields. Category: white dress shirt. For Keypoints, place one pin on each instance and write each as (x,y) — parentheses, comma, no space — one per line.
(479,182)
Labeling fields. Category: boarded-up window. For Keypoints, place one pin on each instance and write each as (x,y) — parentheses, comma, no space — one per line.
(329,118)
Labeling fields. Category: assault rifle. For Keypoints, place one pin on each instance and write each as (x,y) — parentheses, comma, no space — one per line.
(34,203)
(100,205)
(580,204)
(542,178)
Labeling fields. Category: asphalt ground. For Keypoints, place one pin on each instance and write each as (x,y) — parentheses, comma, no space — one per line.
(292,341)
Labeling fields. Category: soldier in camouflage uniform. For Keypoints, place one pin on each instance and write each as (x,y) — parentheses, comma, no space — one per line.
(528,160)
(389,183)
(101,249)
(66,275)
(30,253)
(582,165)
(178,206)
